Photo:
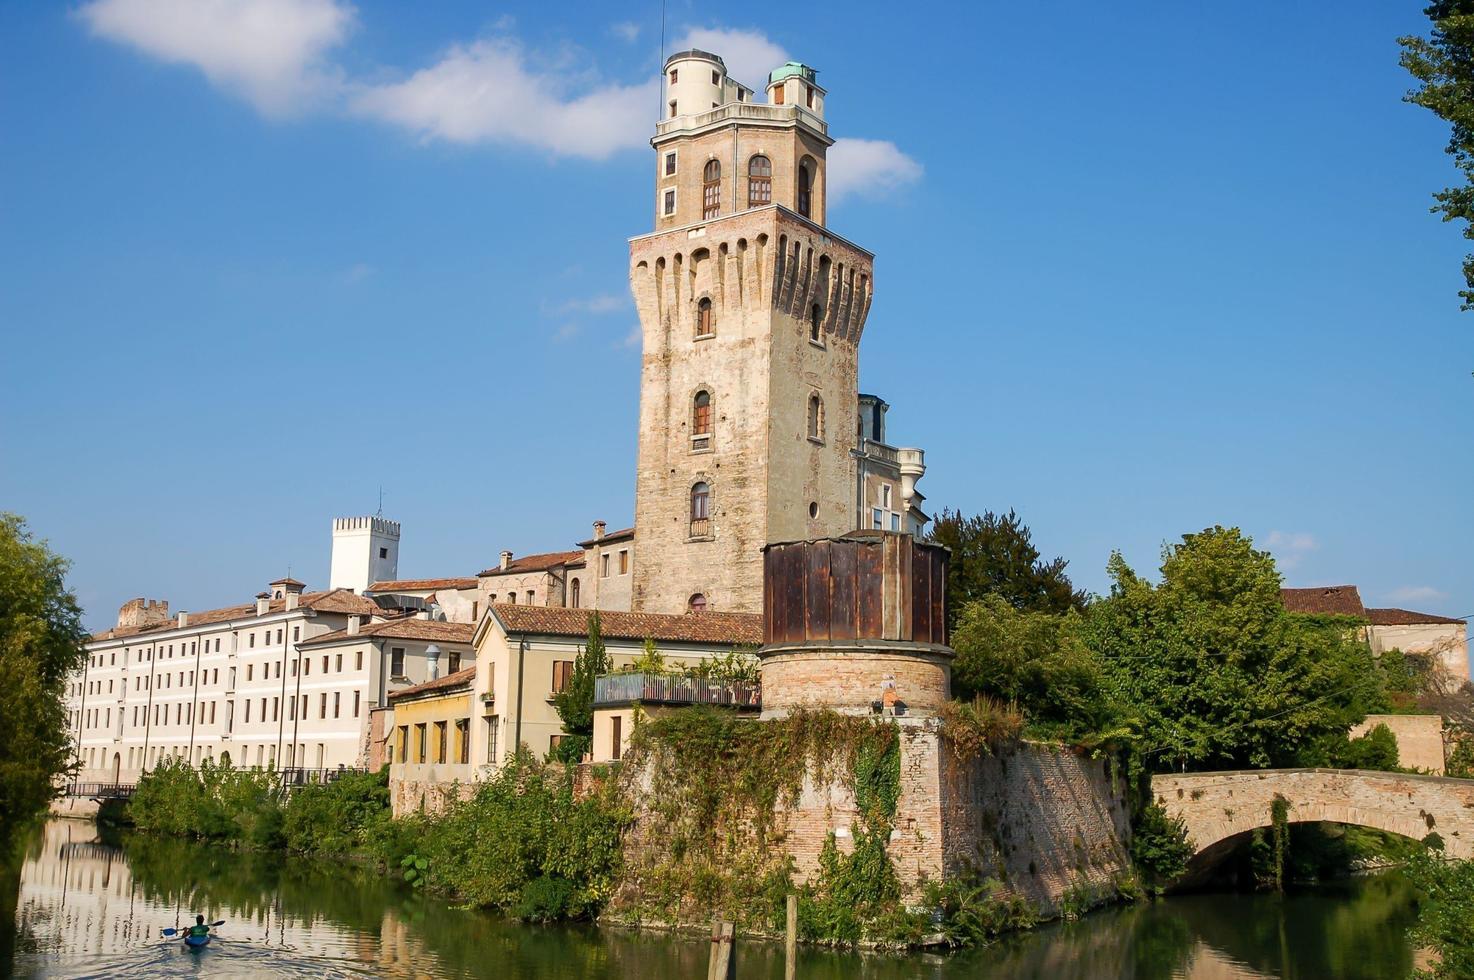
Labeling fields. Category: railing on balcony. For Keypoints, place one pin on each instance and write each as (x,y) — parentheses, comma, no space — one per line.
(752,111)
(309,777)
(881,451)
(676,689)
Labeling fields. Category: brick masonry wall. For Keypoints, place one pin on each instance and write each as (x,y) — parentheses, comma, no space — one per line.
(428,787)
(849,680)
(1419,739)
(1041,820)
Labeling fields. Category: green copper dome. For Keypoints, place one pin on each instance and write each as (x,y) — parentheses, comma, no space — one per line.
(790,69)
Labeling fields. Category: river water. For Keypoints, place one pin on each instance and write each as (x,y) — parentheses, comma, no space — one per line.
(93,907)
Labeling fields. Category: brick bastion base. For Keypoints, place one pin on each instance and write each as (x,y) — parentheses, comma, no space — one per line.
(1042,820)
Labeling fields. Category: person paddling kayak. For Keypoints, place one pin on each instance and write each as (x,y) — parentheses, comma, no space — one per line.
(199,933)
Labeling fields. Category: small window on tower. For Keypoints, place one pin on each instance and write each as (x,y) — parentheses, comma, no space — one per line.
(700,510)
(697,603)
(383,552)
(759,181)
(711,189)
(816,323)
(778,95)
(805,188)
(670,164)
(674,73)
(670,202)
(705,327)
(673,108)
(701,422)
(811,96)
(716,78)
(816,418)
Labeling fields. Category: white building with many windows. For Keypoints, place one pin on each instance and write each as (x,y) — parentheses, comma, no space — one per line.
(288,680)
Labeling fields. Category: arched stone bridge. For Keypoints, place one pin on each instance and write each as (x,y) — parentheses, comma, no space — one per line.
(1219,806)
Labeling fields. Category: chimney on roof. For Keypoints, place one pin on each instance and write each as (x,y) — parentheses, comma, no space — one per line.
(263,603)
(422,614)
(294,598)
(506,560)
(432,662)
(598,530)
(183,618)
(353,623)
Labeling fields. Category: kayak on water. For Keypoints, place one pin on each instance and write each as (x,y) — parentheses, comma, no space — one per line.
(196,936)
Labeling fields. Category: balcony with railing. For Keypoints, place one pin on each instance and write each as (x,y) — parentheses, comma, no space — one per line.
(752,112)
(675,689)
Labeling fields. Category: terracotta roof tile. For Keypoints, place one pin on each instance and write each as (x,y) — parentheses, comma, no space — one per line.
(1337,600)
(421,584)
(461,678)
(1406,617)
(409,628)
(707,627)
(533,563)
(342,601)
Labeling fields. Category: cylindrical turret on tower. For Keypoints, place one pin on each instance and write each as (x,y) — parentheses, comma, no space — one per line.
(795,83)
(697,81)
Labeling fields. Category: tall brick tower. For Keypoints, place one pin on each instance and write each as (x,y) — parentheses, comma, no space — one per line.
(751,311)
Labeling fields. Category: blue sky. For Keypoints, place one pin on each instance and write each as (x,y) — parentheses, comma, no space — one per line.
(1141,268)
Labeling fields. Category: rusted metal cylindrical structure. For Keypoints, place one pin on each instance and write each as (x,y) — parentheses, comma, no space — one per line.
(857,624)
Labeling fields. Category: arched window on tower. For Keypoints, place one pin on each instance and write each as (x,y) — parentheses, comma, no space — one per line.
(700,510)
(701,421)
(697,603)
(816,418)
(805,187)
(711,190)
(759,181)
(705,323)
(574,597)
(816,322)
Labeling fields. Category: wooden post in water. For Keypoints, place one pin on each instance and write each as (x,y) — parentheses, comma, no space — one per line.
(720,966)
(790,950)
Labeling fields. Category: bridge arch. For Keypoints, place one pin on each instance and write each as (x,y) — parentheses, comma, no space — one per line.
(1221,806)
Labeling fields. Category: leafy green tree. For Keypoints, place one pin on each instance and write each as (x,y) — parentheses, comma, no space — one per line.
(1160,848)
(1218,673)
(41,642)
(995,555)
(1031,660)
(1443,64)
(1445,913)
(575,703)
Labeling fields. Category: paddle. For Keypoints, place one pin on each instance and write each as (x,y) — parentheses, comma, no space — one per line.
(175,932)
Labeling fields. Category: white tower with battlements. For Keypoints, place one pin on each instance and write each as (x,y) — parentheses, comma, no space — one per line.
(365,550)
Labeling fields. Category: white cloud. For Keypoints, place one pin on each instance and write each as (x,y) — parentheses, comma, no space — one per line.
(1416,593)
(487,92)
(626,30)
(357,272)
(277,55)
(597,305)
(634,338)
(565,333)
(1290,547)
(271,52)
(749,55)
(868,168)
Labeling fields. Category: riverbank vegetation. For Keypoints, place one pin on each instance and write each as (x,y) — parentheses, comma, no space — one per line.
(1203,669)
(41,644)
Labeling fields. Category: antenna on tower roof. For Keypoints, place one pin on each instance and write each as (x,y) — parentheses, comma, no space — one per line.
(381,501)
(659,97)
